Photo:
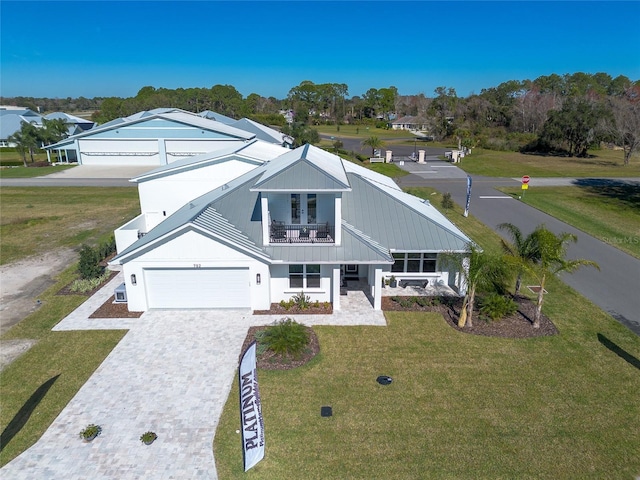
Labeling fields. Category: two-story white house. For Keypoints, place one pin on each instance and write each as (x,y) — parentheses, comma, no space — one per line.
(293,223)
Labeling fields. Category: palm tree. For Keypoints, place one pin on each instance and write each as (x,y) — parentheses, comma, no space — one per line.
(482,272)
(552,249)
(373,142)
(521,251)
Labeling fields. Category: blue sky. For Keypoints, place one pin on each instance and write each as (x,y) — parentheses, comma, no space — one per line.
(109,48)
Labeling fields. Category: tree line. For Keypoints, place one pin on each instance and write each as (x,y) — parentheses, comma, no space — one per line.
(557,114)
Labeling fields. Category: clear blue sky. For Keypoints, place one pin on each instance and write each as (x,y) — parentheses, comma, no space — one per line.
(108,48)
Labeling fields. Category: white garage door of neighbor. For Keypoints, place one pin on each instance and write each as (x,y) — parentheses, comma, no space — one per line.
(198,288)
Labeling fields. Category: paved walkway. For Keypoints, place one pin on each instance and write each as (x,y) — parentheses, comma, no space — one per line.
(171,373)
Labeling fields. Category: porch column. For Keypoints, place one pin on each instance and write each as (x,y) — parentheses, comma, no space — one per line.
(421,156)
(266,220)
(48,155)
(335,287)
(376,289)
(338,220)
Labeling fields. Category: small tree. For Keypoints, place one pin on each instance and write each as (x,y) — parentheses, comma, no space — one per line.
(482,272)
(552,251)
(373,142)
(447,202)
(521,251)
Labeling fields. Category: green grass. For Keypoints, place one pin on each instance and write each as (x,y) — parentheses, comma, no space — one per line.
(611,214)
(30,172)
(9,156)
(38,219)
(460,406)
(605,163)
(39,384)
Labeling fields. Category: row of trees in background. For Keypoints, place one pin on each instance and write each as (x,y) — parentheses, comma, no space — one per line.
(564,114)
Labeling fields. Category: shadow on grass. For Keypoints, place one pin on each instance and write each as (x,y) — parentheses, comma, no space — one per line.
(625,191)
(627,357)
(21,418)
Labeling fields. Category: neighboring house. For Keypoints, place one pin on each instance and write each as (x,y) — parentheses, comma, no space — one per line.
(161,136)
(151,139)
(410,123)
(75,124)
(11,119)
(294,223)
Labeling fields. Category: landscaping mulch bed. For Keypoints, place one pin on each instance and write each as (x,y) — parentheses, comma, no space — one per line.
(66,290)
(277,309)
(270,361)
(114,310)
(518,325)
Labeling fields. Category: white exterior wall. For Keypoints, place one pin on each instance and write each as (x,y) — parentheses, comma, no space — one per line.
(193,250)
(127,234)
(280,285)
(91,150)
(184,147)
(161,197)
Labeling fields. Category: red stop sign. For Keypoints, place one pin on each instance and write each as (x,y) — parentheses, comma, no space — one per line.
(525,179)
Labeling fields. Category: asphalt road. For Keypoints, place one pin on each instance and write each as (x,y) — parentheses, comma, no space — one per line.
(614,288)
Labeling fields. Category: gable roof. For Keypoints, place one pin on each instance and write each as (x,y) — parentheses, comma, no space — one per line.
(306,168)
(262,131)
(180,117)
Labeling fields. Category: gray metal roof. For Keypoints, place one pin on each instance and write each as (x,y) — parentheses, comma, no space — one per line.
(185,118)
(378,218)
(262,132)
(398,220)
(306,168)
(218,117)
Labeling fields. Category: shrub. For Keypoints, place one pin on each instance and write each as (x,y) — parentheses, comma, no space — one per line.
(285,337)
(447,202)
(85,285)
(301,300)
(496,306)
(423,301)
(89,263)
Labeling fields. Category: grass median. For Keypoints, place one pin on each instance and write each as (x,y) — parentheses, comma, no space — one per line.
(460,406)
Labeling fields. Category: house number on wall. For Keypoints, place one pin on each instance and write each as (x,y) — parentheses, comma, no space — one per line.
(197,265)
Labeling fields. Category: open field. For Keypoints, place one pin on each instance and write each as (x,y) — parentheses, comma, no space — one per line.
(604,163)
(37,219)
(610,213)
(39,384)
(460,406)
(30,172)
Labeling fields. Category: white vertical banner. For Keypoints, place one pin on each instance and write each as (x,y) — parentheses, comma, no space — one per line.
(250,409)
(466,208)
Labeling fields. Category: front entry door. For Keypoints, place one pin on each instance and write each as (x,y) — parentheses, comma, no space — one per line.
(303,208)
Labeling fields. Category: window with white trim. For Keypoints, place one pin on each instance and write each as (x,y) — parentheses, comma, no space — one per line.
(304,276)
(414,262)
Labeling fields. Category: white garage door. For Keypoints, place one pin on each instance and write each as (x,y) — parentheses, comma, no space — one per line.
(198,288)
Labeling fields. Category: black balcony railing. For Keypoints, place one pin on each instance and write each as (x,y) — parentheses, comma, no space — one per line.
(312,233)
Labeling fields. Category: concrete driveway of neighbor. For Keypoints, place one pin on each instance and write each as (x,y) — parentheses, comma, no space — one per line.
(171,373)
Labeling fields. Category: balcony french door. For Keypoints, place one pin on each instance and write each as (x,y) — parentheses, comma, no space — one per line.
(303,208)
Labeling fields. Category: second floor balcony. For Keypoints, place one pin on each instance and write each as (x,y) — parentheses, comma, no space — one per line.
(301,233)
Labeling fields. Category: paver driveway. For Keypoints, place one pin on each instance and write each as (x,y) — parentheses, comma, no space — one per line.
(171,373)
